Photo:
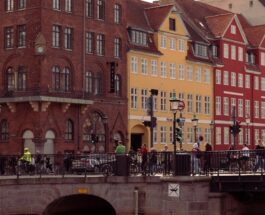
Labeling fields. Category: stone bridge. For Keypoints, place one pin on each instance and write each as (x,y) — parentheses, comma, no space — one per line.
(118,195)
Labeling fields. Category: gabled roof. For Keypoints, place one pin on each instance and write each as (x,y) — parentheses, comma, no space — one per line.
(255,34)
(157,15)
(219,23)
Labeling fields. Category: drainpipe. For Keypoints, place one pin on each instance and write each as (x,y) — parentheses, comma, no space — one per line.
(136,198)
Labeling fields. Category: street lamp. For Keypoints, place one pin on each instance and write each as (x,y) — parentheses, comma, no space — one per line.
(247,122)
(174,106)
(195,124)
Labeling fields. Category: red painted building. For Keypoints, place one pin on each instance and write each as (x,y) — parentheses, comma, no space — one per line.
(63,75)
(238,71)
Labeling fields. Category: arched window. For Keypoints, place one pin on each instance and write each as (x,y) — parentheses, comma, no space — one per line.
(117,85)
(65,79)
(21,84)
(4,130)
(10,79)
(88,82)
(56,78)
(69,130)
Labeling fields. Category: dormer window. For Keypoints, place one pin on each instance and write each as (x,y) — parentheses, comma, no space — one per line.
(138,37)
(201,50)
(172,24)
(250,58)
(215,51)
(233,29)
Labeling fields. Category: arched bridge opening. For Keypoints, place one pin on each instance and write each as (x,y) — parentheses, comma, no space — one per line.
(79,204)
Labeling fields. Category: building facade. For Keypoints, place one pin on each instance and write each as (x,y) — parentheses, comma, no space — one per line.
(63,82)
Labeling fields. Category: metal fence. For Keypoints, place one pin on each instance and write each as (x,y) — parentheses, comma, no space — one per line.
(135,164)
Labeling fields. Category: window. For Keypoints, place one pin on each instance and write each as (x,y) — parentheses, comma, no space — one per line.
(68,38)
(233,29)
(88,83)
(198,104)
(262,58)
(10,79)
(89,42)
(144,99)
(206,75)
(190,72)
(68,6)
(256,135)
(172,70)
(218,105)
(163,95)
(65,79)
(226,78)
(218,136)
(98,83)
(100,44)
(233,52)
(172,44)
(154,67)
(190,103)
(181,72)
(163,72)
(117,13)
(207,104)
(163,134)
(218,77)
(4,130)
(240,107)
(262,112)
(117,80)
(21,4)
(155,135)
(21,36)
(163,41)
(56,4)
(226,135)
(198,75)
(240,54)
(233,105)
(201,50)
(215,51)
(226,50)
(240,80)
(207,135)
(56,29)
(55,77)
(69,130)
(21,78)
(100,9)
(247,107)
(9,5)
(172,24)
(133,98)
(89,8)
(117,47)
(226,106)
(138,37)
(262,84)
(233,79)
(247,81)
(144,66)
(256,82)
(256,109)
(9,37)
(181,45)
(134,64)
(155,103)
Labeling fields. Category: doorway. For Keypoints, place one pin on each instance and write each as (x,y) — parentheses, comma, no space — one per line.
(136,141)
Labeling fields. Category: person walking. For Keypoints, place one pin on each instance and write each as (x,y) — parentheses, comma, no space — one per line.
(245,157)
(26,160)
(207,158)
(144,158)
(260,152)
(195,158)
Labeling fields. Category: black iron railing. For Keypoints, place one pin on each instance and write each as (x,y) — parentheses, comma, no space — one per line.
(134,164)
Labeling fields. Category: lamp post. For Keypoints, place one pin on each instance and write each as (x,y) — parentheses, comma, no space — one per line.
(212,133)
(195,124)
(247,122)
(174,105)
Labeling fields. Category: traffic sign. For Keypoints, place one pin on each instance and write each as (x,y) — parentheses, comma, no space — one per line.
(181,105)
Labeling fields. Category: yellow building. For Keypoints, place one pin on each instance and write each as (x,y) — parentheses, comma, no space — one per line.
(165,68)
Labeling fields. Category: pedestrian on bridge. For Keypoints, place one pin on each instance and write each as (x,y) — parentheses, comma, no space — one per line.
(120,149)
(260,154)
(195,158)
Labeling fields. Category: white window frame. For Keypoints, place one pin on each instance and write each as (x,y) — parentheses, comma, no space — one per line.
(233,79)
(218,105)
(240,54)
(190,73)
(240,80)
(134,64)
(172,43)
(163,69)
(256,109)
(240,107)
(154,67)
(218,76)
(226,106)
(218,135)
(181,72)
(233,52)
(144,65)
(247,81)
(226,78)
(172,70)
(226,50)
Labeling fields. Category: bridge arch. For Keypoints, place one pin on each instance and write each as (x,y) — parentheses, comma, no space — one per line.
(79,204)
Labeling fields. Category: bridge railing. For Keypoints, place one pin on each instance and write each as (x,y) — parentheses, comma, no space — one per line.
(152,163)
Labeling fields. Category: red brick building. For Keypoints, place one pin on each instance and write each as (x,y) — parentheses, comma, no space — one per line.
(63,75)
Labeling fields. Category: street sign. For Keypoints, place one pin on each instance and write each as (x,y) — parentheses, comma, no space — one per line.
(181,105)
